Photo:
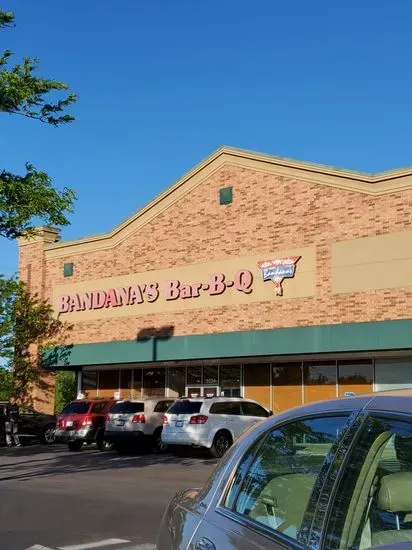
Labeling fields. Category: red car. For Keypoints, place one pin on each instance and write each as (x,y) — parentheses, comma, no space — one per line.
(83,421)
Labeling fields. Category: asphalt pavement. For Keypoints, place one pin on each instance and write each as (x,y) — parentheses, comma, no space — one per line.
(51,499)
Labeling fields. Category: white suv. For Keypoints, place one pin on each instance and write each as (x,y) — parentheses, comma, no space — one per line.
(212,423)
(134,423)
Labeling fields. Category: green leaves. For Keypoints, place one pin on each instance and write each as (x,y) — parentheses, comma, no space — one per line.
(23,198)
(26,325)
(6,18)
(23,93)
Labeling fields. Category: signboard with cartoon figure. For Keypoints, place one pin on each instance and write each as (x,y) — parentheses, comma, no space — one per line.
(277,270)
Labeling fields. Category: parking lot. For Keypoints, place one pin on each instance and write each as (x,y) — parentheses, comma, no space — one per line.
(54,499)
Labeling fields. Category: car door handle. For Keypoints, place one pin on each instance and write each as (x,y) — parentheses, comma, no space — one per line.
(205,544)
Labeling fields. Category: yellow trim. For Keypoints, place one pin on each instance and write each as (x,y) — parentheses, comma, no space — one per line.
(370,184)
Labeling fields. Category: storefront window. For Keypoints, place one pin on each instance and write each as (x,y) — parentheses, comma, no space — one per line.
(89,383)
(154,382)
(137,384)
(211,375)
(194,375)
(355,377)
(108,383)
(125,383)
(230,381)
(89,380)
(257,383)
(286,386)
(177,381)
(320,380)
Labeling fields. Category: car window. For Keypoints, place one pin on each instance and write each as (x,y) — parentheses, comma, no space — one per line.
(274,482)
(373,502)
(185,407)
(128,407)
(77,407)
(253,409)
(162,406)
(98,407)
(225,407)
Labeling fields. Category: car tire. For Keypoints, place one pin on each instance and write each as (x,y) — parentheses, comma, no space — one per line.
(221,443)
(48,435)
(104,445)
(75,445)
(158,446)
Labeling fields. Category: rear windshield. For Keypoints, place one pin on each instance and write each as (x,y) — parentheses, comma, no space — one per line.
(78,407)
(128,408)
(185,407)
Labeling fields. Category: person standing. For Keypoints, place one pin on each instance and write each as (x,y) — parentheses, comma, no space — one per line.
(12,429)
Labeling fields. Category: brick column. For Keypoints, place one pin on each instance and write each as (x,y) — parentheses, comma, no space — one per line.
(32,270)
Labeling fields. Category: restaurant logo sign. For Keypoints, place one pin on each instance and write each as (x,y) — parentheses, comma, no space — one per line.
(151,292)
(175,290)
(277,270)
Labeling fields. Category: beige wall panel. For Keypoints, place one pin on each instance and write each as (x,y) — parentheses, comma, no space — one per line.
(301,286)
(372,263)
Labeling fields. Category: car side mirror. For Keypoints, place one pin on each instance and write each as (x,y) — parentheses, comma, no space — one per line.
(270,413)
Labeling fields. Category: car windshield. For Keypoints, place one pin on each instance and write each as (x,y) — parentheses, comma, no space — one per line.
(128,407)
(185,407)
(77,407)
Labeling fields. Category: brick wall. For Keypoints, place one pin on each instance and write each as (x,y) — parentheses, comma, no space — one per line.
(268,213)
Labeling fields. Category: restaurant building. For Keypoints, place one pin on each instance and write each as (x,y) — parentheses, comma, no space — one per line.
(281,281)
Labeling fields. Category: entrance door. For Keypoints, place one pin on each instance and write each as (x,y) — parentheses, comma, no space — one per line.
(202,391)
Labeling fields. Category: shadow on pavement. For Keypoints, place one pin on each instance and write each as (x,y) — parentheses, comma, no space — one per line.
(59,462)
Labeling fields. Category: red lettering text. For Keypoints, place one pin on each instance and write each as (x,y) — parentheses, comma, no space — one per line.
(217,284)
(99,299)
(111,298)
(243,281)
(123,295)
(172,290)
(63,304)
(152,292)
(136,295)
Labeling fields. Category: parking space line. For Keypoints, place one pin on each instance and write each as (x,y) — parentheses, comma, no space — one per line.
(97,544)
(39,547)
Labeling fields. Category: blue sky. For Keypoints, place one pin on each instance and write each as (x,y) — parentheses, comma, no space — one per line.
(162,84)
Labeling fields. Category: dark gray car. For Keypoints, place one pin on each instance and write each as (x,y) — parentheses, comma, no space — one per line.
(335,475)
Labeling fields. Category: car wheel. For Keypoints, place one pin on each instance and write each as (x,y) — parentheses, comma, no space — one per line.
(75,445)
(221,443)
(104,445)
(48,435)
(158,446)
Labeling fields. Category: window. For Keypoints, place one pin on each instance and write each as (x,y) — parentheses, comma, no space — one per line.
(177,381)
(68,270)
(230,381)
(225,407)
(373,502)
(225,195)
(154,382)
(128,407)
(320,381)
(210,375)
(275,479)
(185,407)
(253,409)
(108,383)
(162,406)
(89,380)
(98,407)
(77,407)
(194,376)
(137,383)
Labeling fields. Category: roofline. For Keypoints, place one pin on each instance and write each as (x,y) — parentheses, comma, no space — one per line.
(373,184)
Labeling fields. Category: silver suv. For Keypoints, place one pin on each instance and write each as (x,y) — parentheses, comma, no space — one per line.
(136,424)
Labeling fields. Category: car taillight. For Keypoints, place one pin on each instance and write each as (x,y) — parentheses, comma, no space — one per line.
(165,419)
(198,419)
(87,421)
(140,418)
(107,418)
